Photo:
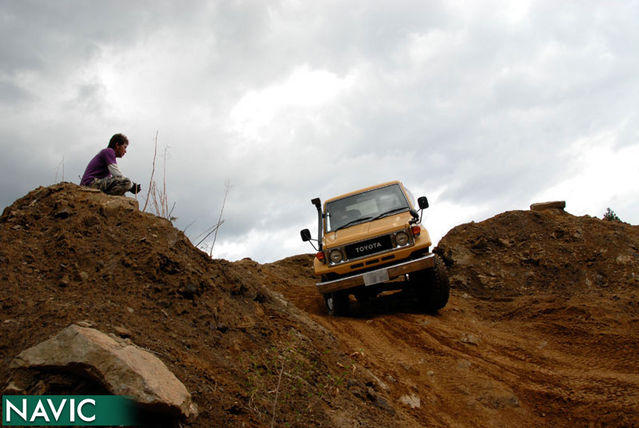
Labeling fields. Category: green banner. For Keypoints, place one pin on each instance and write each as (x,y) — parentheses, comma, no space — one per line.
(70,410)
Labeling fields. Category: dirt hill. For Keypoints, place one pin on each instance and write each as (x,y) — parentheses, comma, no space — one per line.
(70,255)
(541,329)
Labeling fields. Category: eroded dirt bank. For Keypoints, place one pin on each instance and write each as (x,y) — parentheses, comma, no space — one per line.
(542,328)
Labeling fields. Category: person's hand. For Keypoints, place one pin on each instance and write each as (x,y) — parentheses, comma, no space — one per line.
(135,189)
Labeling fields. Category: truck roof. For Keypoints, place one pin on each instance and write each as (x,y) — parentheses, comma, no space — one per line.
(365,189)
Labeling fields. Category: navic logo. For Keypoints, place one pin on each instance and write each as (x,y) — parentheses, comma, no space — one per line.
(56,410)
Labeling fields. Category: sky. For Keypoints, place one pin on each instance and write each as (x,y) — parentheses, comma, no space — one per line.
(482,106)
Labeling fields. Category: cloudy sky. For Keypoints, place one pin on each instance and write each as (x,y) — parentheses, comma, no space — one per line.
(483,106)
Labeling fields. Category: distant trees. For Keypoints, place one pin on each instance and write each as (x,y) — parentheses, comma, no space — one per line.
(611,216)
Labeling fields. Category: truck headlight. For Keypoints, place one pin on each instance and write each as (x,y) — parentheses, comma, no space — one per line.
(401,238)
(335,256)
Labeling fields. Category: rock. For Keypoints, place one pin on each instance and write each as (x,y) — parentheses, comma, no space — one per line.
(64,281)
(541,206)
(470,339)
(122,331)
(113,204)
(624,259)
(411,401)
(86,323)
(122,368)
(378,400)
(190,290)
(13,389)
(499,399)
(463,364)
(379,382)
(62,213)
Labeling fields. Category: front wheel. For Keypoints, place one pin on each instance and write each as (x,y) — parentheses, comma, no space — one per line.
(336,303)
(432,286)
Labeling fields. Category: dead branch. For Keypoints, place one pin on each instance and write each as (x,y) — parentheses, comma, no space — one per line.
(155,152)
(227,186)
(277,394)
(213,229)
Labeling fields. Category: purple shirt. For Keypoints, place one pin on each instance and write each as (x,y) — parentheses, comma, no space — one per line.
(99,166)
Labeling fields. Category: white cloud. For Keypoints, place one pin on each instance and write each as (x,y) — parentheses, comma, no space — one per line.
(278,244)
(425,48)
(443,215)
(305,91)
(601,175)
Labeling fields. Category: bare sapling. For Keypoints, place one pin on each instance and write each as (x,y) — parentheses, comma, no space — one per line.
(159,197)
(148,191)
(57,170)
(277,394)
(213,230)
(208,232)
(227,188)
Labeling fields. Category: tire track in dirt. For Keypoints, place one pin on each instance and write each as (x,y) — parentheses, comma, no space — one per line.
(522,361)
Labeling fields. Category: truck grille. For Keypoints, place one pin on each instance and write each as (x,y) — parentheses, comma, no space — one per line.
(370,246)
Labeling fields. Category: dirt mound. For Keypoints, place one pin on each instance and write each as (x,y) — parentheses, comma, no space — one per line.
(527,252)
(71,255)
(541,328)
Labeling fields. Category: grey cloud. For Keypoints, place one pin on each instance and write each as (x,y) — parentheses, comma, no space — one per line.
(485,114)
(11,93)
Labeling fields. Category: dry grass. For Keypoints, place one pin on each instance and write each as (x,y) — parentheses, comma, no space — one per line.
(157,199)
(158,196)
(59,168)
(216,227)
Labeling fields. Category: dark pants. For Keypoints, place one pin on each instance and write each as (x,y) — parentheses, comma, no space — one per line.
(112,185)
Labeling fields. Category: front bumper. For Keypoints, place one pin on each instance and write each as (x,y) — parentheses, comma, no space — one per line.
(378,275)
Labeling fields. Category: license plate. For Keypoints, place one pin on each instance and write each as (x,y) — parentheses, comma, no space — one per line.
(375,277)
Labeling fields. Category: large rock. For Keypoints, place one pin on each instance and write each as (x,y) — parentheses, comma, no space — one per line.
(541,206)
(123,368)
(112,205)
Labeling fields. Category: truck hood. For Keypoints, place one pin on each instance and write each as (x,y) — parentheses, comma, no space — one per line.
(368,229)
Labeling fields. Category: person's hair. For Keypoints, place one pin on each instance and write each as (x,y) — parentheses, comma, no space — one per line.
(118,139)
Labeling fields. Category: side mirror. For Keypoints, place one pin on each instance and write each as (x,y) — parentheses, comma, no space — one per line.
(423,202)
(415,214)
(305,234)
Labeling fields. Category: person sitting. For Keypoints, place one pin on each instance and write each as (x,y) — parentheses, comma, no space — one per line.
(103,173)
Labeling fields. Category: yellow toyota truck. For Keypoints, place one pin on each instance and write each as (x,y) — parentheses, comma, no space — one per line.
(371,241)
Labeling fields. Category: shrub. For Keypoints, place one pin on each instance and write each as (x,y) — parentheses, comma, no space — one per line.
(611,216)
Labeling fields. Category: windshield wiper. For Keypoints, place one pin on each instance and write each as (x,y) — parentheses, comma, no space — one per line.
(389,212)
(352,222)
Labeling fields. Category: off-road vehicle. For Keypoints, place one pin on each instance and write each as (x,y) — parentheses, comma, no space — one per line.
(371,241)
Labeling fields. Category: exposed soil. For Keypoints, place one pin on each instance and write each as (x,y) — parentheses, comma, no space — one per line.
(542,328)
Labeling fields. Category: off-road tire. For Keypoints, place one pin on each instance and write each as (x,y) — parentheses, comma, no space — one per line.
(432,286)
(336,303)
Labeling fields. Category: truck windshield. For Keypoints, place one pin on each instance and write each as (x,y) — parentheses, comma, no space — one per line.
(369,205)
